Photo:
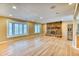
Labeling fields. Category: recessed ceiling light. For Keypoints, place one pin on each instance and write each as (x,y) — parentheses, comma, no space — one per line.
(70,3)
(10,15)
(52,7)
(57,12)
(41,17)
(14,7)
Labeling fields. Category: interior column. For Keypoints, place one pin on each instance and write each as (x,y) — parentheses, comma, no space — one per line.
(74,42)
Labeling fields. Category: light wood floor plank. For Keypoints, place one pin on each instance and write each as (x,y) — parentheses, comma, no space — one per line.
(39,46)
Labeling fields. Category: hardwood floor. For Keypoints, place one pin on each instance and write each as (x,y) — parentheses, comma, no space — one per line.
(39,46)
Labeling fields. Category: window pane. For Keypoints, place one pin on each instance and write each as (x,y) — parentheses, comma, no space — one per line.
(25,29)
(10,29)
(16,26)
(39,28)
(20,29)
(36,28)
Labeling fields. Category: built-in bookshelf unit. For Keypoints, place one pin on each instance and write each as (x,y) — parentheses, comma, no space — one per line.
(54,29)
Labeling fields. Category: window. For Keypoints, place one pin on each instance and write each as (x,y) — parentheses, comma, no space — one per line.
(25,29)
(10,29)
(20,29)
(15,29)
(37,28)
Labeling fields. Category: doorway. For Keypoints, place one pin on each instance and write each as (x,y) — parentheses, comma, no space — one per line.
(70,32)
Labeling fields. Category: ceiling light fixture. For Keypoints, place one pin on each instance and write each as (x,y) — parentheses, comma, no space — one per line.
(41,17)
(10,15)
(14,7)
(70,3)
(52,7)
(57,12)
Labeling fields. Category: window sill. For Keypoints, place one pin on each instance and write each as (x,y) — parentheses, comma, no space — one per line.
(16,36)
(22,35)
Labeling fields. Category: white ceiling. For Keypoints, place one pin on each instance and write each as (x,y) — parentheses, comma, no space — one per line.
(39,12)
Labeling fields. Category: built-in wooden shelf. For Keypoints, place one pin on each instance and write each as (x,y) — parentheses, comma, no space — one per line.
(54,29)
